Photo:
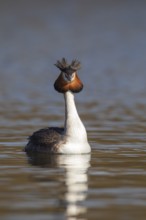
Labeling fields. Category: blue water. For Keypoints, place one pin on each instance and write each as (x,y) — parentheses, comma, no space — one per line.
(109,39)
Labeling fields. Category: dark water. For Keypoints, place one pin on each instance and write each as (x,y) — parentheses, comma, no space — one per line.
(109,39)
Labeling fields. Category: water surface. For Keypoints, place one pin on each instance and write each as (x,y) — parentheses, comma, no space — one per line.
(109,39)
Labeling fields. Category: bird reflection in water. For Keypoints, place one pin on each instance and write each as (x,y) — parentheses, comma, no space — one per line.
(76,182)
(76,178)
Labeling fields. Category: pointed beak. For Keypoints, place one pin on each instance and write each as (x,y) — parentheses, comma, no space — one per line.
(69,77)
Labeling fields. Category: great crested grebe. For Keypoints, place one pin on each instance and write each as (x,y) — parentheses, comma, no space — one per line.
(72,139)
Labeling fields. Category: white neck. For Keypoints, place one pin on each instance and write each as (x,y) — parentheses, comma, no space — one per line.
(75,135)
(74,128)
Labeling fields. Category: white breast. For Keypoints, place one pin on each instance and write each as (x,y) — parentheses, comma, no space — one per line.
(75,148)
(76,141)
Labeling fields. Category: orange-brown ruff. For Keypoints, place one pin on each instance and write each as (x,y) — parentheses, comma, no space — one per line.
(72,139)
(62,86)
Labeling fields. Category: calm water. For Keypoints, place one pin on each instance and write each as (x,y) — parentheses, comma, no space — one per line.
(109,39)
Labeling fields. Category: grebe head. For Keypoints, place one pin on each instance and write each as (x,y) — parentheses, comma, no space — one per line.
(68,79)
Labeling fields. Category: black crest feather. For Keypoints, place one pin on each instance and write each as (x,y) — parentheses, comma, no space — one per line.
(75,65)
(65,67)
